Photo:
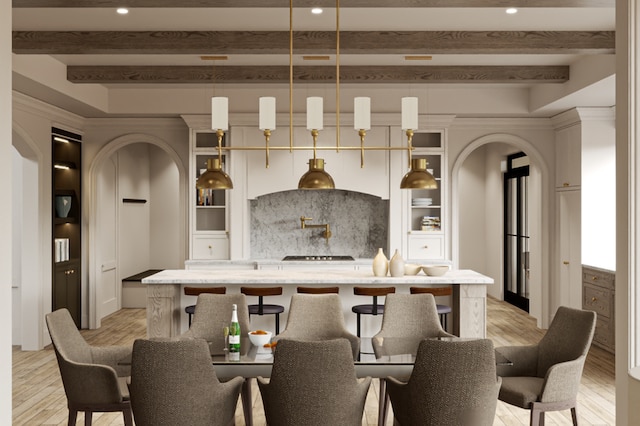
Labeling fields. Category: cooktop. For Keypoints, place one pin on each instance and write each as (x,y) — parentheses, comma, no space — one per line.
(320,257)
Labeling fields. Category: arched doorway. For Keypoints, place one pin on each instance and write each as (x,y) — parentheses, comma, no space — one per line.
(477,215)
(137,217)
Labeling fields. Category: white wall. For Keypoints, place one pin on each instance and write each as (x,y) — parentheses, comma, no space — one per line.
(5,214)
(598,197)
(16,248)
(166,250)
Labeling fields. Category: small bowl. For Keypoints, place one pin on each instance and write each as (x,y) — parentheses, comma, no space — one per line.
(260,340)
(412,269)
(435,270)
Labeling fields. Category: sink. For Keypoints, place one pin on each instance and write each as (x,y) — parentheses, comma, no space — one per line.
(316,257)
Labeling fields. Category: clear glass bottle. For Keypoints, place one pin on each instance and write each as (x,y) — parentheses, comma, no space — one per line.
(234,331)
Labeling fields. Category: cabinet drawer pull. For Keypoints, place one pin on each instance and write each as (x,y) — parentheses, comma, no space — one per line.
(565,262)
(594,278)
(210,247)
(565,183)
(594,299)
(426,247)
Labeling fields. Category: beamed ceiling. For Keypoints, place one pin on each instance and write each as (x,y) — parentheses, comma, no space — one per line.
(162,41)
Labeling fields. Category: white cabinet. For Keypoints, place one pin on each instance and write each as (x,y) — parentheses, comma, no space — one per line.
(568,157)
(427,207)
(208,208)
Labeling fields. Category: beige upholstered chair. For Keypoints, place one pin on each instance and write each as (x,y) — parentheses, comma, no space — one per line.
(411,318)
(407,316)
(314,384)
(317,317)
(453,383)
(213,313)
(174,383)
(93,381)
(546,376)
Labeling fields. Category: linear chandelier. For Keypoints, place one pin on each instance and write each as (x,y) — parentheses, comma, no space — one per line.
(316,177)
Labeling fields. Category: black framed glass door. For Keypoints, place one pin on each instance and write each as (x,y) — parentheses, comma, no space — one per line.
(516,231)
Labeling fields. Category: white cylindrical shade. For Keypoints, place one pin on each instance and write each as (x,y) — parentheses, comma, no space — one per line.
(362,113)
(267,113)
(220,113)
(314,113)
(409,113)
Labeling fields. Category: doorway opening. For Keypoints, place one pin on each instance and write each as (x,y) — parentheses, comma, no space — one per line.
(516,231)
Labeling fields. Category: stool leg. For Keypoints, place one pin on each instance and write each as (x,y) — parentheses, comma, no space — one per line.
(277,323)
(358,325)
(189,320)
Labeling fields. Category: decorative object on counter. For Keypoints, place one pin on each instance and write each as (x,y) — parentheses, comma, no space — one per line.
(380,264)
(435,270)
(412,269)
(396,265)
(63,205)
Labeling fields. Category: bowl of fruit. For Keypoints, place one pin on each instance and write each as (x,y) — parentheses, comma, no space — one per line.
(260,338)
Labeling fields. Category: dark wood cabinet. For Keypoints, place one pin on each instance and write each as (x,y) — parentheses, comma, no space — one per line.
(66,211)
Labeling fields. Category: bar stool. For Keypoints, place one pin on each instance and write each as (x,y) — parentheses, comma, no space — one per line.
(261,308)
(443,310)
(318,290)
(369,309)
(194,291)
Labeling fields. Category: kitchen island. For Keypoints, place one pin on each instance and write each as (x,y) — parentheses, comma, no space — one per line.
(165,300)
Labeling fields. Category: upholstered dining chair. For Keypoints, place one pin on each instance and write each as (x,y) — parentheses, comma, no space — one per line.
(453,383)
(317,317)
(412,317)
(93,381)
(546,376)
(313,383)
(174,383)
(213,313)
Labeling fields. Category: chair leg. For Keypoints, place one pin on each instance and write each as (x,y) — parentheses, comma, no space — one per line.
(382,415)
(574,416)
(537,416)
(128,417)
(73,415)
(88,415)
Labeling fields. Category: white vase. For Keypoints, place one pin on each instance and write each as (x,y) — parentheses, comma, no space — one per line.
(380,264)
(396,265)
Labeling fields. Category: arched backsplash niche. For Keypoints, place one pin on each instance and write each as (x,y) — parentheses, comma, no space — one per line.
(358,222)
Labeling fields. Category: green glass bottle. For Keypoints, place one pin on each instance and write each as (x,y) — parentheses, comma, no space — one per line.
(234,331)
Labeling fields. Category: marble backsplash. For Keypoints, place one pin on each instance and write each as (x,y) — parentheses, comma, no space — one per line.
(358,223)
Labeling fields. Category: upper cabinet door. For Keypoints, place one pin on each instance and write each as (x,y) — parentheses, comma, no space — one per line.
(568,158)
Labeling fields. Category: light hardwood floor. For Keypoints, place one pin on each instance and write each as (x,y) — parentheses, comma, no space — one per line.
(38,395)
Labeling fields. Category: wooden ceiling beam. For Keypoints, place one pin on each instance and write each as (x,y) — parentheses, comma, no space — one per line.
(311,3)
(313,42)
(316,74)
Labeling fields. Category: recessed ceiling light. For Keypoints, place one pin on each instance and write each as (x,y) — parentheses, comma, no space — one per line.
(512,10)
(122,10)
(316,10)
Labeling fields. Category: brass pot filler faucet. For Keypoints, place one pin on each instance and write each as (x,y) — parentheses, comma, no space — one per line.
(325,234)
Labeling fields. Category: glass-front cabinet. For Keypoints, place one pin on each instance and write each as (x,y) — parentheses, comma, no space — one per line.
(208,208)
(426,208)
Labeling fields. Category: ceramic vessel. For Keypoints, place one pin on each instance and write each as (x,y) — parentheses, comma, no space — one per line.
(380,264)
(396,265)
(63,205)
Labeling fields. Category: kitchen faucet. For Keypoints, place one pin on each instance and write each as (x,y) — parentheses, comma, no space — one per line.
(326,233)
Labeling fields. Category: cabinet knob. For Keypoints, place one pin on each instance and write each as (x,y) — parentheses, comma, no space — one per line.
(565,262)
(594,278)
(565,183)
(426,247)
(593,299)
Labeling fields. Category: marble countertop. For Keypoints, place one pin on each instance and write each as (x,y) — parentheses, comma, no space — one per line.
(307,276)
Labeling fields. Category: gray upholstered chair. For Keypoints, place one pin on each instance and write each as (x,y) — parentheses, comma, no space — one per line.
(314,384)
(174,383)
(546,376)
(407,320)
(212,314)
(93,381)
(407,316)
(317,317)
(453,383)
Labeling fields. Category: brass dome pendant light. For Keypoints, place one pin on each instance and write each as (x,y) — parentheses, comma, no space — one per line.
(316,177)
(418,177)
(214,177)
